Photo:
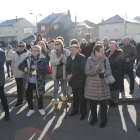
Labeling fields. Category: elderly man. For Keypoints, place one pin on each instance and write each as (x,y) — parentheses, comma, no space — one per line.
(129,54)
(87,46)
(18,57)
(106,41)
(76,77)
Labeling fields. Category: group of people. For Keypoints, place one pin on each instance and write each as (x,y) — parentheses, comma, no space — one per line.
(84,68)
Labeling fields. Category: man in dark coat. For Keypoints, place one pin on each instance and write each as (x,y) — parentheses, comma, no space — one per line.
(130,54)
(76,77)
(87,47)
(2,83)
(106,41)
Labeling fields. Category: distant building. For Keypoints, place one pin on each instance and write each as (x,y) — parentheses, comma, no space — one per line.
(118,27)
(11,30)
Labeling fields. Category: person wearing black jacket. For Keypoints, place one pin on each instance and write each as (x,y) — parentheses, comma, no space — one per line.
(76,77)
(87,47)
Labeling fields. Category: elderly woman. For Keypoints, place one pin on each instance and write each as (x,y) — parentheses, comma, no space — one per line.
(35,68)
(58,60)
(9,55)
(95,89)
(115,58)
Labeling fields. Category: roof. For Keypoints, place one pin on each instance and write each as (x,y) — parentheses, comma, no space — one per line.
(57,18)
(118,19)
(10,22)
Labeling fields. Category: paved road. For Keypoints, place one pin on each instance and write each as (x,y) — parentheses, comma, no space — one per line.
(122,124)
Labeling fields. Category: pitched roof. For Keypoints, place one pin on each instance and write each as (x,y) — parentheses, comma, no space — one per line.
(54,18)
(9,22)
(118,19)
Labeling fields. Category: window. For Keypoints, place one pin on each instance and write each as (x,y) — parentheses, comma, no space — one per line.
(9,40)
(4,30)
(42,27)
(107,28)
(9,30)
(116,28)
(56,27)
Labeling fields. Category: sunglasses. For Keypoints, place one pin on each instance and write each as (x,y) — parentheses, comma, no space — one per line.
(56,44)
(21,46)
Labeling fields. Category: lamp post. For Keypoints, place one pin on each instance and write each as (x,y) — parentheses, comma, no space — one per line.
(36,21)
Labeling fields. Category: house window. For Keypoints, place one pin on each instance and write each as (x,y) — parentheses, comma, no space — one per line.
(9,40)
(56,27)
(9,30)
(107,28)
(4,30)
(116,28)
(42,27)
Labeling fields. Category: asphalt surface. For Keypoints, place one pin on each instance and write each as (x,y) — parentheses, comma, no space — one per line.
(123,123)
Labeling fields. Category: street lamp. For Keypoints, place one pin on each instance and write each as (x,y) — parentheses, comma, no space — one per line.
(36,21)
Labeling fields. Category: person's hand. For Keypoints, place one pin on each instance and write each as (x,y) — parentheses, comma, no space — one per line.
(49,54)
(103,70)
(7,52)
(97,66)
(127,60)
(34,67)
(61,57)
(26,69)
(69,77)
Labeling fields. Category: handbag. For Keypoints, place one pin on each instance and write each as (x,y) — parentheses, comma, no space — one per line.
(109,79)
(49,69)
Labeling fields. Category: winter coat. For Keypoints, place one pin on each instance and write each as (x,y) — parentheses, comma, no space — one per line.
(138,52)
(9,55)
(94,87)
(16,60)
(45,53)
(54,60)
(87,51)
(106,49)
(116,60)
(138,70)
(76,67)
(131,53)
(2,61)
(40,77)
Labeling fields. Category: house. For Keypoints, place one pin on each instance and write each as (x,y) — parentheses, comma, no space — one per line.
(118,27)
(54,25)
(13,30)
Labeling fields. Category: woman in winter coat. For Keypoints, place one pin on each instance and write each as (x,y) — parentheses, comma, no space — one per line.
(95,89)
(9,55)
(115,58)
(58,60)
(35,68)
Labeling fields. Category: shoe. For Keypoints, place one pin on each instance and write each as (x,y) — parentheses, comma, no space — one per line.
(139,128)
(73,113)
(102,125)
(30,112)
(92,123)
(111,104)
(65,103)
(115,105)
(56,108)
(18,105)
(7,116)
(42,111)
(82,118)
(131,91)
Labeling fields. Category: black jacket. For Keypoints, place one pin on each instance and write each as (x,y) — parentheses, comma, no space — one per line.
(116,60)
(138,52)
(76,67)
(87,51)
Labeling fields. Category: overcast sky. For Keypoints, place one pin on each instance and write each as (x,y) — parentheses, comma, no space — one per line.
(89,9)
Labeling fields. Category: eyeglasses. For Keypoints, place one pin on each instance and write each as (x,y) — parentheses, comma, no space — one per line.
(21,46)
(34,50)
(56,44)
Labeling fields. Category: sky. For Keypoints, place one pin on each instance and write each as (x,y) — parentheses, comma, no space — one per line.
(91,10)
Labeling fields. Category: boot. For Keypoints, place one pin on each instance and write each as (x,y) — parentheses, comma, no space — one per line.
(12,74)
(65,103)
(64,99)
(55,102)
(8,74)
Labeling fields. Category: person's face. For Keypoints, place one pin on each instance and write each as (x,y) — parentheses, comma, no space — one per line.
(58,45)
(39,38)
(126,41)
(87,38)
(8,48)
(52,44)
(41,45)
(106,42)
(21,47)
(100,53)
(112,47)
(35,52)
(74,51)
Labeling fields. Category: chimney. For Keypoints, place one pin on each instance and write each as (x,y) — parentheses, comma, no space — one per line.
(16,18)
(102,19)
(68,13)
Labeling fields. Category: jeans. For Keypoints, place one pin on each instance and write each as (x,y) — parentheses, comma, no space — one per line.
(131,77)
(8,64)
(56,87)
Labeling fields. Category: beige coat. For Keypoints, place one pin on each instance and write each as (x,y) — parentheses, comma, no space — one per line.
(94,87)
(9,55)
(16,60)
(54,60)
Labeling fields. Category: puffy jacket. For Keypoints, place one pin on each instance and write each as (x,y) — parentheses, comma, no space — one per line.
(9,55)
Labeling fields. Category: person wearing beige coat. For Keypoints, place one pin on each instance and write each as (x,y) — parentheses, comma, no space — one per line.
(94,87)
(58,60)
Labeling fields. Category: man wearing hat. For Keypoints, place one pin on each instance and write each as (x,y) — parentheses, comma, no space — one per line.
(76,77)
